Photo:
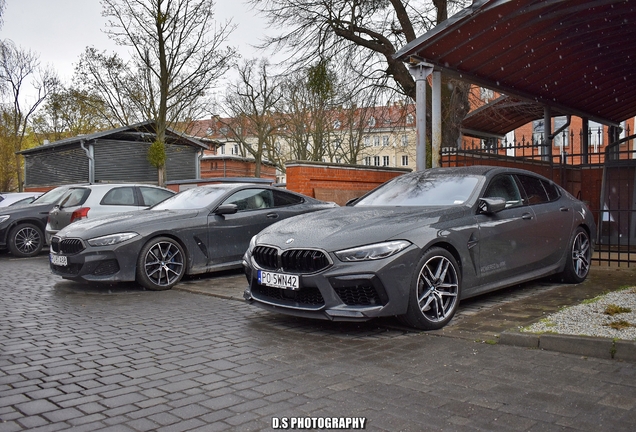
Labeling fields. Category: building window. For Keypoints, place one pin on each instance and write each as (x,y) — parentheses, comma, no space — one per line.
(376,141)
(376,160)
(595,135)
(372,122)
(405,140)
(367,141)
(385,140)
(537,132)
(222,148)
(385,161)
(561,140)
(235,149)
(486,94)
(405,160)
(367,160)
(336,124)
(410,119)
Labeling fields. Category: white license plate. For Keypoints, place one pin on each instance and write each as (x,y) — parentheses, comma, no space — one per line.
(278,280)
(59,260)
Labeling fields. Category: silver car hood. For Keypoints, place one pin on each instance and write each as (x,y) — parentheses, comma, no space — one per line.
(344,227)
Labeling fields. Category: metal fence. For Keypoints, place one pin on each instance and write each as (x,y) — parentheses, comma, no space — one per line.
(604,176)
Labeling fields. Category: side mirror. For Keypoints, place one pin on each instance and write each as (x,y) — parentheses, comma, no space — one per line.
(226,209)
(491,205)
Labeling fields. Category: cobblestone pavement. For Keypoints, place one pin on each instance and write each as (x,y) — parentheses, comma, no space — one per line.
(118,358)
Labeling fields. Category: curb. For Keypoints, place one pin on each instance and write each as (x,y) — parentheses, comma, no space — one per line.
(587,346)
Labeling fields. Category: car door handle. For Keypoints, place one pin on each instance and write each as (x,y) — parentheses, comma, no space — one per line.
(526,216)
(272,215)
(564,209)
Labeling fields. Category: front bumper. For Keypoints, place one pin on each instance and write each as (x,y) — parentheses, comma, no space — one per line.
(115,263)
(342,292)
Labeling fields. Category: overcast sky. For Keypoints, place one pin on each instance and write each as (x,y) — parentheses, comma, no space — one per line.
(60,30)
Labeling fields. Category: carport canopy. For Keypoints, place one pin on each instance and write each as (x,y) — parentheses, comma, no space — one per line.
(577,57)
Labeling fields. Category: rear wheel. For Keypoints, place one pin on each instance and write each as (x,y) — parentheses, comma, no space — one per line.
(434,294)
(26,240)
(579,256)
(161,264)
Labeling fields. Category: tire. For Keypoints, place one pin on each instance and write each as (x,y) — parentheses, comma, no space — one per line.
(26,240)
(435,288)
(161,264)
(578,259)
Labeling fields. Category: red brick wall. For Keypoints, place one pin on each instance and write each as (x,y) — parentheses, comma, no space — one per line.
(337,183)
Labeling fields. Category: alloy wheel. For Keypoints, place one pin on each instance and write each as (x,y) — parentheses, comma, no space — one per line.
(581,254)
(163,263)
(27,240)
(437,288)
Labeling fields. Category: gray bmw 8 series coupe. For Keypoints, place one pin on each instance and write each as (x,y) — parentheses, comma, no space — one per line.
(199,230)
(418,244)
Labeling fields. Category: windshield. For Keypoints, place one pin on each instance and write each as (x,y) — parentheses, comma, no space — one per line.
(195,198)
(52,196)
(422,191)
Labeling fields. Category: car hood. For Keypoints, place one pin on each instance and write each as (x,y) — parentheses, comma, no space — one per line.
(123,222)
(27,209)
(345,227)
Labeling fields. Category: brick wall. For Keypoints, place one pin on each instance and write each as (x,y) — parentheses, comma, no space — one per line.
(234,167)
(337,183)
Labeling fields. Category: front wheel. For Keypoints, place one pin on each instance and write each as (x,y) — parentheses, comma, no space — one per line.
(435,288)
(579,257)
(26,240)
(161,264)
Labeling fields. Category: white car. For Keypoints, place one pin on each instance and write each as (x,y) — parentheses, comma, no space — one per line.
(91,201)
(18,198)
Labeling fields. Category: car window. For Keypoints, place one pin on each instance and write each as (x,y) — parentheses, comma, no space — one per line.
(195,198)
(251,199)
(152,196)
(282,198)
(535,193)
(504,186)
(439,190)
(75,197)
(53,196)
(551,190)
(119,196)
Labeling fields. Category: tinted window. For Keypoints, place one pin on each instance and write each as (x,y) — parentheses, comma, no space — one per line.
(551,190)
(504,186)
(75,197)
(535,192)
(422,191)
(119,196)
(152,196)
(283,199)
(251,199)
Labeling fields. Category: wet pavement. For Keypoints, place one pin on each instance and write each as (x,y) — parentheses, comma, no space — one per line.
(118,358)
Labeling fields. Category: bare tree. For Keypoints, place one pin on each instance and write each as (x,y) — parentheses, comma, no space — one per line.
(69,112)
(362,36)
(16,67)
(250,104)
(117,93)
(179,53)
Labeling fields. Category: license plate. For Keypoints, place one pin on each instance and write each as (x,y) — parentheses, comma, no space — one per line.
(278,280)
(59,260)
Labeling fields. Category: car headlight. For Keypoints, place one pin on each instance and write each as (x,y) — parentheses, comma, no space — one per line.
(372,252)
(111,239)
(4,218)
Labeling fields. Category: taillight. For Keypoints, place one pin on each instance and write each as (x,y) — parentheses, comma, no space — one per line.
(80,213)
